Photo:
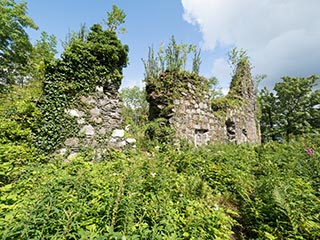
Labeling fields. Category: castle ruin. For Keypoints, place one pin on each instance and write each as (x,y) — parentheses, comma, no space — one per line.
(183,101)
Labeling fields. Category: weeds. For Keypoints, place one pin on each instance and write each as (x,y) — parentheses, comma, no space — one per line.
(218,192)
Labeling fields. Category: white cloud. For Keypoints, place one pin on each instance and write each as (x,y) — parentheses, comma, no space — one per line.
(281,36)
(221,71)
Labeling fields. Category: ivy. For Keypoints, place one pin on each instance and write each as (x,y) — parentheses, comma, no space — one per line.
(93,58)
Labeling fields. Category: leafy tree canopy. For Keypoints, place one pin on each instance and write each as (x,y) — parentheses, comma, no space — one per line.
(115,19)
(292,109)
(15,46)
(91,58)
(44,50)
(135,105)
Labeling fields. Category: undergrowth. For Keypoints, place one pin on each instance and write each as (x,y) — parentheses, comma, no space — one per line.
(217,192)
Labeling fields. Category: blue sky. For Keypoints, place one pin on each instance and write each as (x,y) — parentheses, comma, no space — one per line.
(280,36)
(148,22)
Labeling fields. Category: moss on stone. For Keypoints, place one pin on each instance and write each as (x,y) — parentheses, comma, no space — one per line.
(172,85)
(183,99)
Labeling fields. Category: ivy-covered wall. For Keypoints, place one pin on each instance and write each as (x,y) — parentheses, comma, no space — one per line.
(80,105)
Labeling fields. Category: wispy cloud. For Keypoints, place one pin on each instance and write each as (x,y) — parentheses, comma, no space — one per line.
(281,36)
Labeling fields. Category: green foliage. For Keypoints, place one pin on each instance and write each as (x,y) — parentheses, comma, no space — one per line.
(241,85)
(270,192)
(273,188)
(240,88)
(284,202)
(135,106)
(44,51)
(159,132)
(153,65)
(15,46)
(218,192)
(17,113)
(235,56)
(214,89)
(90,59)
(115,19)
(176,55)
(239,57)
(291,110)
(223,103)
(72,36)
(196,61)
(268,118)
(172,59)
(138,199)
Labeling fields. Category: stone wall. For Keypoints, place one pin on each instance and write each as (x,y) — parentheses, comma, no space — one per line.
(183,100)
(194,118)
(193,121)
(100,122)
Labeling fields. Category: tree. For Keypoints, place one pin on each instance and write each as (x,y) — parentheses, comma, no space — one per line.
(115,19)
(292,110)
(135,105)
(43,52)
(18,110)
(214,88)
(172,58)
(269,112)
(196,61)
(15,46)
(235,56)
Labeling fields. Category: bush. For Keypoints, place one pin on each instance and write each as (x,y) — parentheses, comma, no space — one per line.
(17,114)
(140,198)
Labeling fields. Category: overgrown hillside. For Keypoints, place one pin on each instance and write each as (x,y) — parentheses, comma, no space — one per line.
(218,192)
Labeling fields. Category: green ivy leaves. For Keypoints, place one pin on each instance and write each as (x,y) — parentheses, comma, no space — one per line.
(93,58)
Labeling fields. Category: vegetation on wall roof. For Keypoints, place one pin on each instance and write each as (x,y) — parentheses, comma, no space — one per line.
(166,72)
(172,58)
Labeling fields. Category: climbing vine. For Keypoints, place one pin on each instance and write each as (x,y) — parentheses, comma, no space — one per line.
(91,58)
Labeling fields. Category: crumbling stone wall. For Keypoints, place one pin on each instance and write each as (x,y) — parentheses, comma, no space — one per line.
(100,121)
(187,106)
(245,115)
(194,121)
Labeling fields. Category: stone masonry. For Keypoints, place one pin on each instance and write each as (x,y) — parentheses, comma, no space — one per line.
(100,122)
(196,119)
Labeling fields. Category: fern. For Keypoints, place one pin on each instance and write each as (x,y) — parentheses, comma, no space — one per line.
(284,206)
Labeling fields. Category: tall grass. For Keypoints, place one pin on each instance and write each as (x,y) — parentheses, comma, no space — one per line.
(217,192)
